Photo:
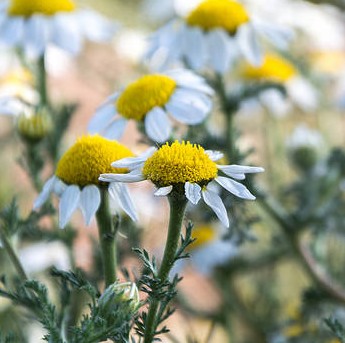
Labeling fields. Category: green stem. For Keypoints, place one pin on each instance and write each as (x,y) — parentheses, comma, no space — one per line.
(13,256)
(319,277)
(229,109)
(42,82)
(177,209)
(107,229)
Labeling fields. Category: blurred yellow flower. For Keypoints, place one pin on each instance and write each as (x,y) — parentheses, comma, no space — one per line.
(274,68)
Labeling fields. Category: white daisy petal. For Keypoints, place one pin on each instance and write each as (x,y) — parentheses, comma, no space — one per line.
(36,36)
(116,129)
(192,192)
(237,169)
(66,33)
(235,188)
(59,186)
(222,50)
(44,195)
(213,200)
(157,125)
(185,113)
(189,106)
(95,27)
(278,35)
(194,97)
(249,44)
(119,192)
(194,47)
(69,202)
(134,162)
(163,191)
(102,118)
(12,31)
(134,176)
(184,77)
(214,155)
(90,199)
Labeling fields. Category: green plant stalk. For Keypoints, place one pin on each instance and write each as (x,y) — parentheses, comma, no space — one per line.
(229,109)
(177,209)
(12,255)
(42,82)
(107,237)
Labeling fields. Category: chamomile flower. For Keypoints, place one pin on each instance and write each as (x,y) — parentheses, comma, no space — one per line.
(208,250)
(214,34)
(16,89)
(179,93)
(76,179)
(276,68)
(187,169)
(33,25)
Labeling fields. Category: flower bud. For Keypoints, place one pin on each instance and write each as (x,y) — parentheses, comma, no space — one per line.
(122,297)
(34,127)
(304,145)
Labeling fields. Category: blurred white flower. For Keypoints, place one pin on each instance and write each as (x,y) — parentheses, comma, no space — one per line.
(17,91)
(304,137)
(35,24)
(41,256)
(182,94)
(214,34)
(275,68)
(208,251)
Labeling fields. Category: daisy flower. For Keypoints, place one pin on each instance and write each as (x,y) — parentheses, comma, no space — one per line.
(304,137)
(76,179)
(33,25)
(214,34)
(185,168)
(276,68)
(208,250)
(179,93)
(16,89)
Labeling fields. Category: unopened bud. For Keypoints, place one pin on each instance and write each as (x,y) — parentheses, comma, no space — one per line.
(34,127)
(122,297)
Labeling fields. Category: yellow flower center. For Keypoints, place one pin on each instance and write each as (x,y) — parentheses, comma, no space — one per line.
(212,14)
(27,8)
(144,94)
(273,67)
(202,235)
(179,163)
(89,157)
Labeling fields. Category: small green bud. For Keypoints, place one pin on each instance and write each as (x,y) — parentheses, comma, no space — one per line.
(122,297)
(304,158)
(304,145)
(33,127)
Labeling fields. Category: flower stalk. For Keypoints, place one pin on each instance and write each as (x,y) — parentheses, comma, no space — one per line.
(178,205)
(42,82)
(12,255)
(107,228)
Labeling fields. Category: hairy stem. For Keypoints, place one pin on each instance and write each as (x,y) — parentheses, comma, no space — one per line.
(12,255)
(177,209)
(42,82)
(107,229)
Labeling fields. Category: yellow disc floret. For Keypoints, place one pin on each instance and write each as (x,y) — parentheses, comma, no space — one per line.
(212,14)
(179,163)
(27,8)
(89,157)
(273,68)
(144,94)
(202,235)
